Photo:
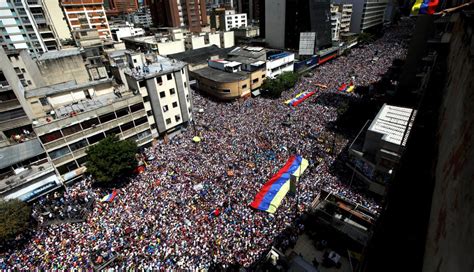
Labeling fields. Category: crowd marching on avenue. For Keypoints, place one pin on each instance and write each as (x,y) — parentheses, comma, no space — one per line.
(189,209)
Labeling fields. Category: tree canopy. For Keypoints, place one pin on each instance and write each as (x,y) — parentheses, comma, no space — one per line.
(111,158)
(273,87)
(15,218)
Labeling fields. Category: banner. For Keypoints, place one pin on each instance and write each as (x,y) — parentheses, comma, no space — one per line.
(275,189)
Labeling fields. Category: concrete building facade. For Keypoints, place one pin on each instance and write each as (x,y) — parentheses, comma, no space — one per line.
(233,20)
(69,117)
(190,14)
(126,30)
(164,85)
(367,15)
(87,15)
(377,149)
(286,19)
(27,25)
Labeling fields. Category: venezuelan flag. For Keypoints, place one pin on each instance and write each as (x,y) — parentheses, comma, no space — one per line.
(424,7)
(299,98)
(275,189)
(109,197)
(343,87)
(350,89)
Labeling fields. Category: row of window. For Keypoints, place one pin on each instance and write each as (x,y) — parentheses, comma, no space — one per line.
(177,118)
(163,93)
(95,138)
(58,134)
(166,108)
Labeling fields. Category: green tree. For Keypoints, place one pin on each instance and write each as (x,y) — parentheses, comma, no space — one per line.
(273,87)
(111,158)
(15,218)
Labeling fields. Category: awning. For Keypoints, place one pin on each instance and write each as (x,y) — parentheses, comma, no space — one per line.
(36,189)
(256,92)
(19,152)
(258,63)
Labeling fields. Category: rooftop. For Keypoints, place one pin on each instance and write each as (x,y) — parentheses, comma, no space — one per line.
(85,105)
(249,52)
(227,63)
(160,65)
(392,121)
(63,87)
(117,53)
(60,54)
(201,55)
(246,60)
(221,76)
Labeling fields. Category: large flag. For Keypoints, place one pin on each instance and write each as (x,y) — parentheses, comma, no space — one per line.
(424,7)
(275,189)
(299,98)
(109,197)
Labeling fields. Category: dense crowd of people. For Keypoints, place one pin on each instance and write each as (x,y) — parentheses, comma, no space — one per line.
(70,205)
(189,209)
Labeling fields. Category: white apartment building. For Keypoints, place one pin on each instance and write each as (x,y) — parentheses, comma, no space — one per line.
(227,39)
(164,86)
(279,63)
(340,19)
(233,20)
(335,22)
(127,30)
(27,25)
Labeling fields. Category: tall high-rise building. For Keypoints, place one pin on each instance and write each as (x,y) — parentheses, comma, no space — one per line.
(286,19)
(116,7)
(87,14)
(253,8)
(174,13)
(27,25)
(367,15)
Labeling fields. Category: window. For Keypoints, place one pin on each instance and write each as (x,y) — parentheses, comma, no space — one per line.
(162,94)
(82,161)
(182,71)
(153,126)
(94,139)
(226,91)
(169,77)
(159,80)
(185,84)
(107,117)
(187,97)
(255,80)
(78,145)
(112,131)
(121,112)
(127,126)
(244,86)
(177,118)
(89,123)
(263,76)
(146,98)
(141,120)
(172,91)
(59,152)
(175,104)
(142,83)
(44,101)
(71,129)
(149,113)
(165,108)
(52,136)
(168,121)
(68,167)
(134,60)
(136,107)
